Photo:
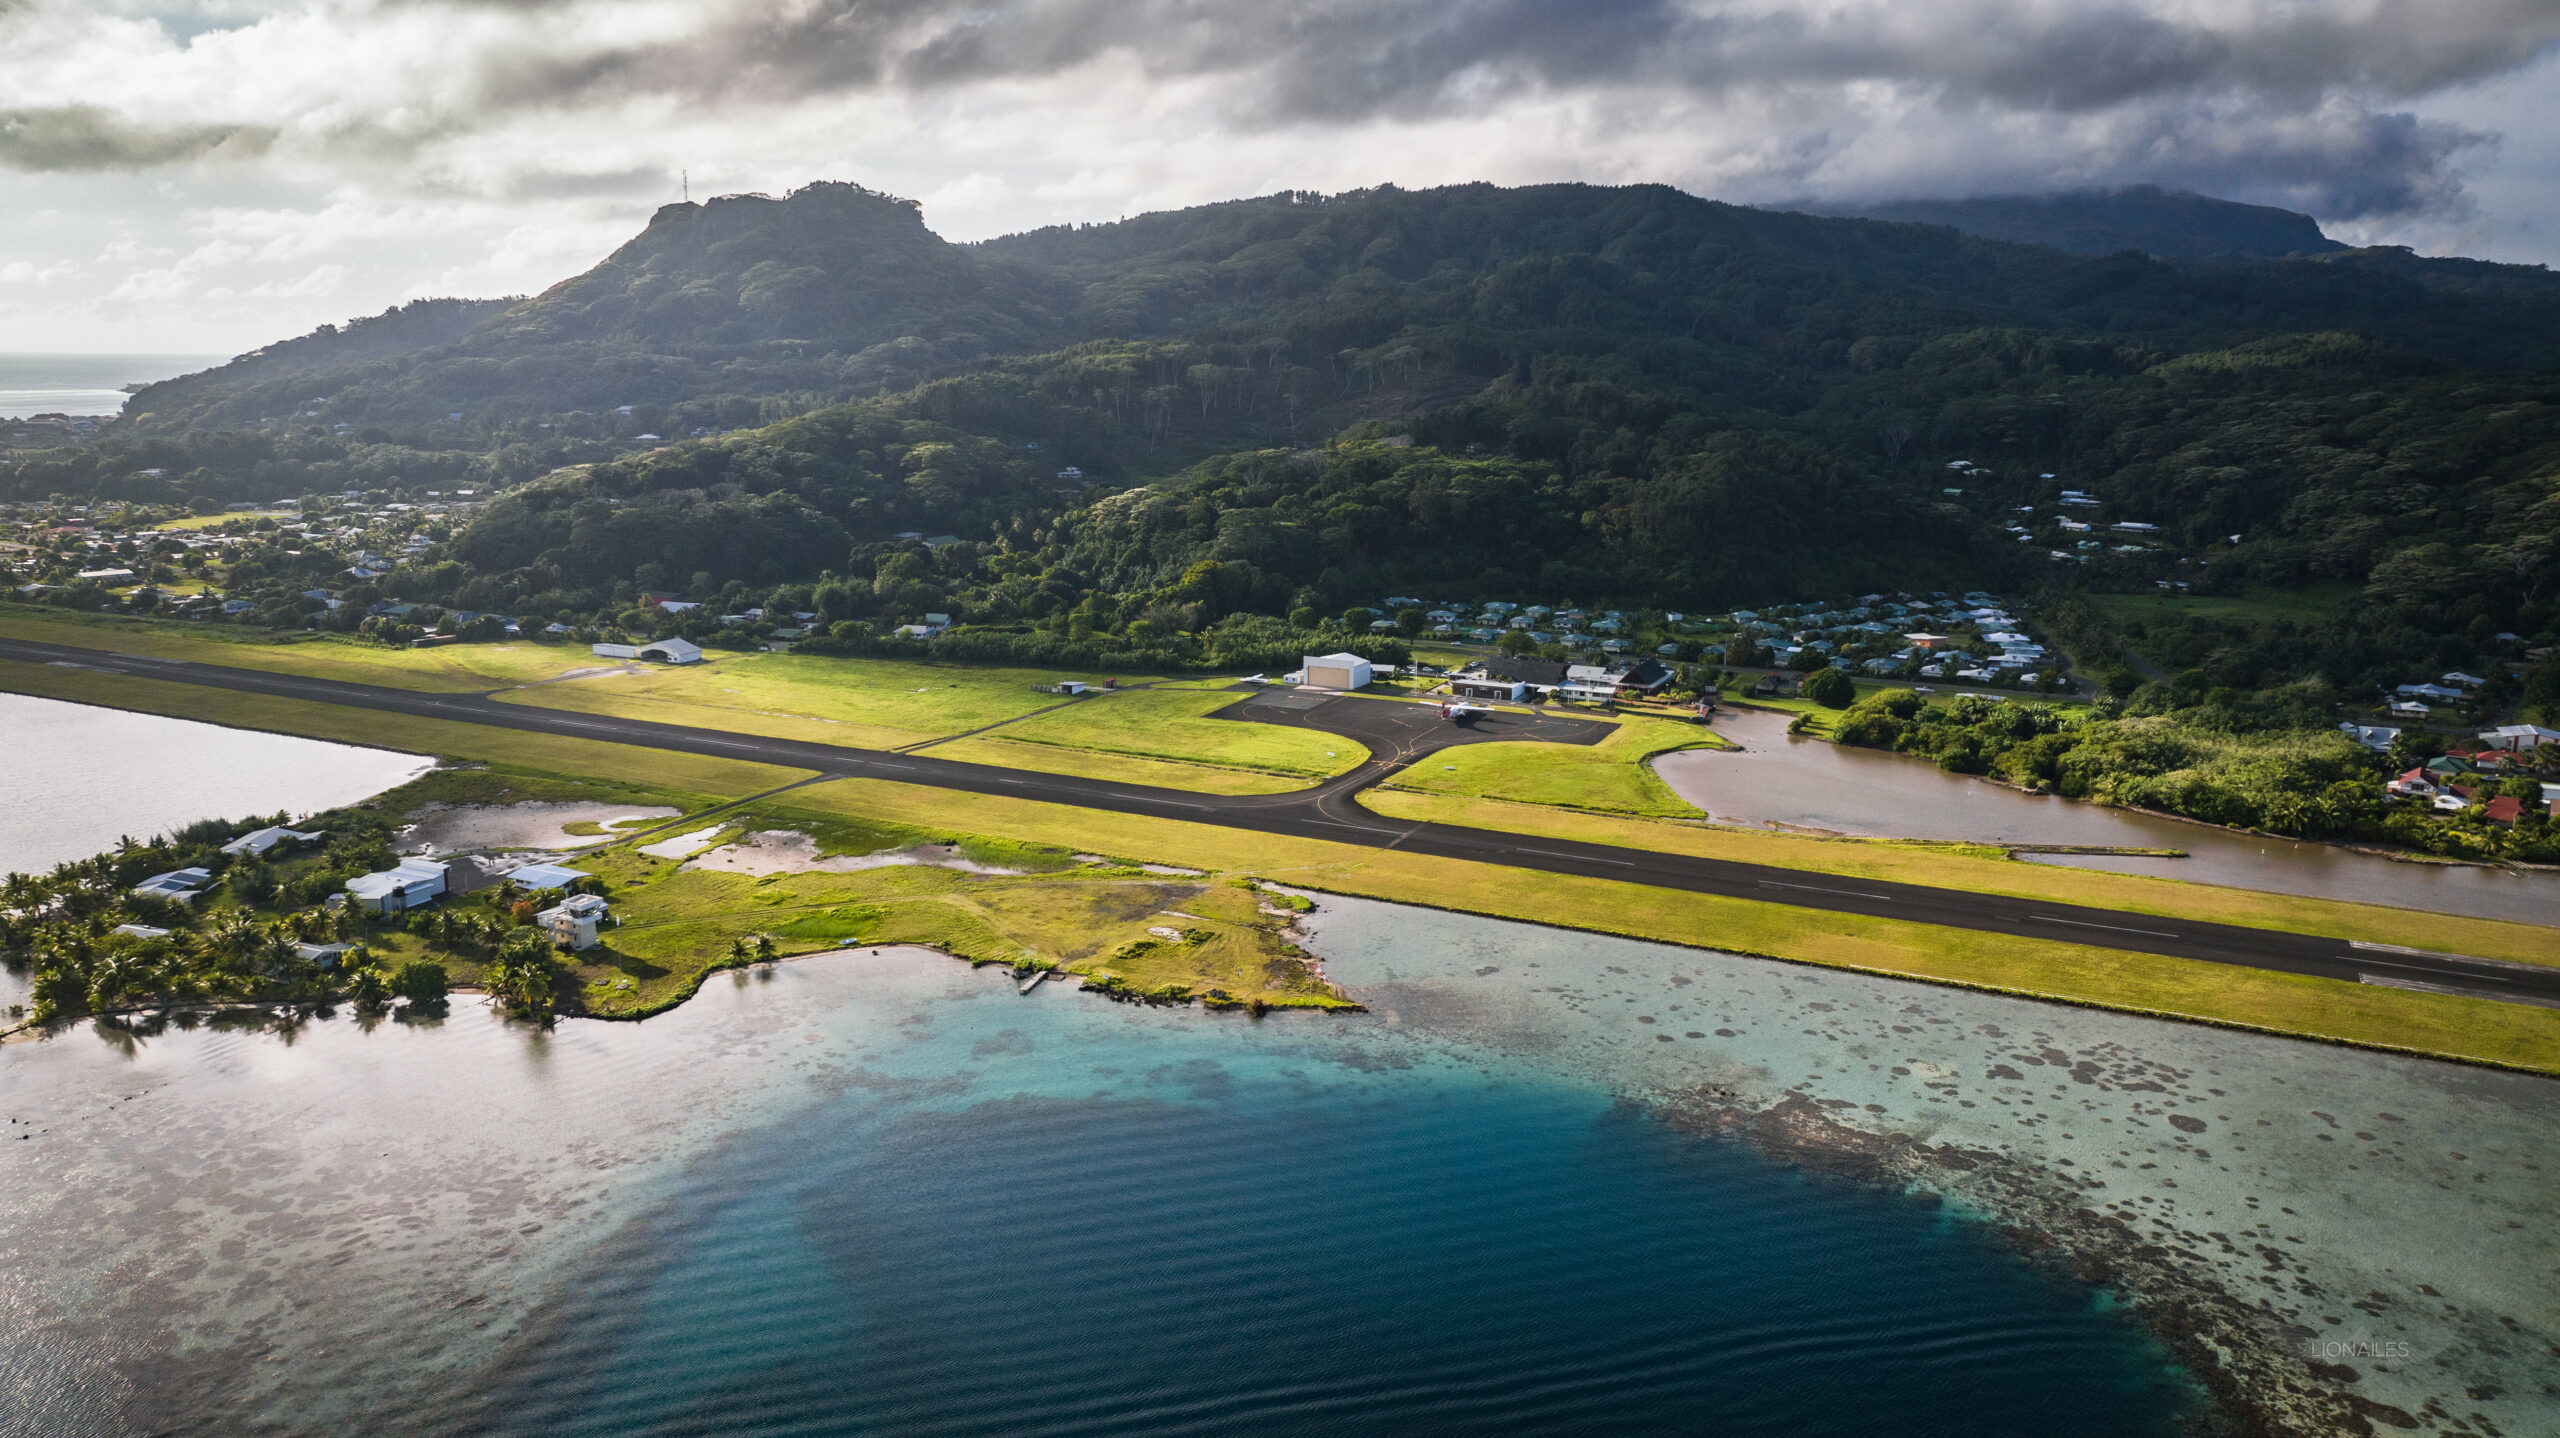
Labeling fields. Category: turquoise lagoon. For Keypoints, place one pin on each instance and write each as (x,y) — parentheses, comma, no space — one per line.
(882,1193)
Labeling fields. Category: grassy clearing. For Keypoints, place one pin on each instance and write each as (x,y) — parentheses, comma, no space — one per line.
(688,773)
(450,669)
(865,703)
(1611,775)
(1008,753)
(216,521)
(2478,1030)
(1974,869)
(515,784)
(2258,606)
(1444,657)
(1210,939)
(1820,719)
(1170,723)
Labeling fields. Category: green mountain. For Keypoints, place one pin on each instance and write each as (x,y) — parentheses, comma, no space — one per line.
(1303,402)
(2170,224)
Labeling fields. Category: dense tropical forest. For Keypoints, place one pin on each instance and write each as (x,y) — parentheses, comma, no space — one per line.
(1298,404)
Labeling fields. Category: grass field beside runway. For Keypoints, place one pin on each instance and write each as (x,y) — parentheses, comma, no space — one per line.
(1170,722)
(445,669)
(1611,775)
(2479,1030)
(1981,869)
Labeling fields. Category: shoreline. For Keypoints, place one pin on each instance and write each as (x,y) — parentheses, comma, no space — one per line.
(2148,1161)
(30,1031)
(2067,1001)
(2259,1373)
(2234,1351)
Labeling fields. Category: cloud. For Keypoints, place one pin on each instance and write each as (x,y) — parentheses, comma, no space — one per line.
(2182,91)
(2309,99)
(431,146)
(85,137)
(1330,60)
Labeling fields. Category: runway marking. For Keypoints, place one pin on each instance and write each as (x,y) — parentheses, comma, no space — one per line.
(1578,858)
(2119,928)
(1818,889)
(2467,959)
(1363,828)
(2424,969)
(2384,981)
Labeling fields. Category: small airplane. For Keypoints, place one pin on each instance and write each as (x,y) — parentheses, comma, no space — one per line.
(1463,713)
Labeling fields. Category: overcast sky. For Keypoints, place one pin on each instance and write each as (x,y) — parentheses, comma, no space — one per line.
(208,176)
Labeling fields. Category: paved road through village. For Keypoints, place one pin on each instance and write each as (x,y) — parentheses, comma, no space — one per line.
(1399,734)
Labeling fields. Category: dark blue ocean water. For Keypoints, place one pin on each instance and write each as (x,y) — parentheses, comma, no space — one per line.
(1283,1255)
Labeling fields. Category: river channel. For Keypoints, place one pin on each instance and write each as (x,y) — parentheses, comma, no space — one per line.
(1784,780)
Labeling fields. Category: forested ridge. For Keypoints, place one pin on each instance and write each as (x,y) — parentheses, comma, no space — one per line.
(1617,395)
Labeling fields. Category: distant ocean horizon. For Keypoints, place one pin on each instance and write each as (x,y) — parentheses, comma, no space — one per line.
(84,384)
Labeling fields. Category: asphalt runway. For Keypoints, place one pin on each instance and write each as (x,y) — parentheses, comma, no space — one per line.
(1329,811)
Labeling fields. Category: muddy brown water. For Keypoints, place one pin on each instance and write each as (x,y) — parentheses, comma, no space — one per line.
(1782,779)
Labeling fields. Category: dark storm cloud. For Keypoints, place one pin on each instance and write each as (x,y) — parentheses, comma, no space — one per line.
(84,137)
(1328,59)
(2306,101)
(2302,96)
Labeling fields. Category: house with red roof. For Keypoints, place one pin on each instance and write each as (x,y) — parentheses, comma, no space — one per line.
(2414,784)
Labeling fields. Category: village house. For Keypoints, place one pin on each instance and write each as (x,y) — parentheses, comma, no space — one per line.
(2427,691)
(2411,784)
(538,877)
(179,884)
(2516,738)
(259,844)
(411,884)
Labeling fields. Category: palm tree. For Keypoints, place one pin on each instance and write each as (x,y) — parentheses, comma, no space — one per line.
(520,975)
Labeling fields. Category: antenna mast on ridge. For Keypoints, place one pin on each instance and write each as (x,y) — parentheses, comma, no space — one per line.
(687,181)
